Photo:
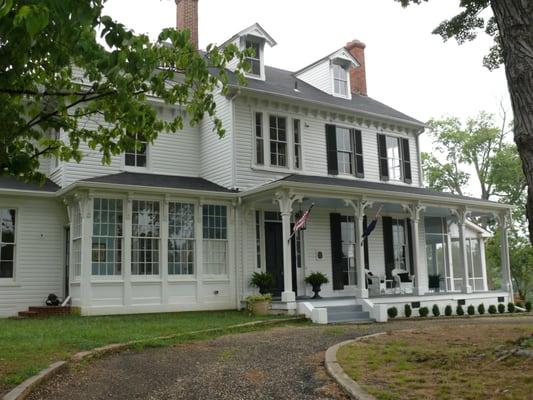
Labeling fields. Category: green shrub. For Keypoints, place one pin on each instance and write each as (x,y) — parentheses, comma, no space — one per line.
(424,311)
(528,306)
(316,278)
(471,310)
(407,310)
(511,308)
(263,281)
(519,304)
(435,310)
(250,300)
(481,309)
(392,312)
(492,309)
(459,310)
(448,310)
(501,308)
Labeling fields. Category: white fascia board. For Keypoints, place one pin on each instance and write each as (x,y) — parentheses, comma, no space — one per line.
(24,192)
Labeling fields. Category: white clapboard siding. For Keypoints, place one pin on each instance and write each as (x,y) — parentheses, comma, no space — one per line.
(319,76)
(40,260)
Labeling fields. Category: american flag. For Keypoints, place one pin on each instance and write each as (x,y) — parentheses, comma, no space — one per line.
(301,222)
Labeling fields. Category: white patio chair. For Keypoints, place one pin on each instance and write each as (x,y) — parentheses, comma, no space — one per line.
(404,281)
(375,283)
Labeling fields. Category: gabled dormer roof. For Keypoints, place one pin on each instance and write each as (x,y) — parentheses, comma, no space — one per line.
(254,30)
(339,55)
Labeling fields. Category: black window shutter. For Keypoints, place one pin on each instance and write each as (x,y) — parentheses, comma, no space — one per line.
(406,161)
(367,260)
(410,246)
(388,246)
(331,148)
(358,153)
(337,262)
(382,154)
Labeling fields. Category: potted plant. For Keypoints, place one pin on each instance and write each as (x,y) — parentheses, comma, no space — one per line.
(263,281)
(434,282)
(316,279)
(259,304)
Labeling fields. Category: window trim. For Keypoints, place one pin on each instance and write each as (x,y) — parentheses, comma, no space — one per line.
(98,277)
(160,265)
(348,94)
(194,239)
(354,154)
(260,42)
(208,276)
(12,281)
(401,138)
(135,168)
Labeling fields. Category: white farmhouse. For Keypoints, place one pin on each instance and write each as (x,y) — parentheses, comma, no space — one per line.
(183,223)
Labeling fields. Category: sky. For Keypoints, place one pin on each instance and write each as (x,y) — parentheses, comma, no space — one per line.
(408,68)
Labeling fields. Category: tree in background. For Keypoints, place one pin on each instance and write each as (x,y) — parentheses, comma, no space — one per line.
(42,45)
(511,26)
(475,154)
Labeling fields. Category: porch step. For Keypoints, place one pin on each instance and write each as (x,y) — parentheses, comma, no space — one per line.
(45,311)
(351,313)
(28,314)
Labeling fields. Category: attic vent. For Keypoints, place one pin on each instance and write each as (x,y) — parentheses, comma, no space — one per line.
(296,86)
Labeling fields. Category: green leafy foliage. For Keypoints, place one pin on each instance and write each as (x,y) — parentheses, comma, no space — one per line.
(448,311)
(435,310)
(263,281)
(511,307)
(481,309)
(492,309)
(407,310)
(392,312)
(423,311)
(471,310)
(460,310)
(55,74)
(527,305)
(501,308)
(316,278)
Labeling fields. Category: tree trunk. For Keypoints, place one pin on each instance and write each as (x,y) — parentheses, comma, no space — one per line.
(515,23)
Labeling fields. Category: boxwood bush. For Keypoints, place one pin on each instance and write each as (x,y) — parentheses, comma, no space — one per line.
(492,309)
(528,306)
(459,310)
(407,310)
(423,311)
(471,310)
(501,308)
(511,307)
(393,312)
(481,309)
(448,310)
(435,310)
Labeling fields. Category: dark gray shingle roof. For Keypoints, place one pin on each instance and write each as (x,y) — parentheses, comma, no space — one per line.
(361,184)
(282,82)
(160,181)
(9,182)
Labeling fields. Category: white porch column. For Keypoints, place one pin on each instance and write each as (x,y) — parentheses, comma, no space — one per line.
(86,208)
(127,228)
(414,211)
(359,206)
(483,262)
(285,200)
(164,251)
(462,215)
(507,283)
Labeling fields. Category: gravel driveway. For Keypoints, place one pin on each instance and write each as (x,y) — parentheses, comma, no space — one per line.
(281,363)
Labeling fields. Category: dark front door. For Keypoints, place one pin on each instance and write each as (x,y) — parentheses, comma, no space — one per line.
(67,259)
(274,254)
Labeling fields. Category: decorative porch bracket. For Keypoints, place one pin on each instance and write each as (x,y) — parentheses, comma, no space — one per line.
(504,219)
(461,215)
(359,206)
(414,211)
(285,199)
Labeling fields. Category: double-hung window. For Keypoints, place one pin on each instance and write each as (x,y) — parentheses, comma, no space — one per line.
(255,59)
(181,239)
(340,80)
(259,139)
(107,237)
(394,158)
(7,243)
(137,156)
(145,237)
(297,143)
(215,239)
(400,244)
(278,141)
(344,151)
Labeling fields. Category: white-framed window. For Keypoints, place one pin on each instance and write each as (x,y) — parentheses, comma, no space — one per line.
(278,141)
(394,159)
(181,240)
(400,244)
(215,239)
(145,240)
(297,143)
(340,80)
(107,239)
(475,266)
(344,150)
(7,242)
(75,216)
(259,139)
(137,156)
(255,60)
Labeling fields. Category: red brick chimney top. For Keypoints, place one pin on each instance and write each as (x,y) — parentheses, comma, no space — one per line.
(358,75)
(355,43)
(187,18)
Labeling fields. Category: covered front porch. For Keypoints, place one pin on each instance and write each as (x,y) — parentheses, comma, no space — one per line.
(424,244)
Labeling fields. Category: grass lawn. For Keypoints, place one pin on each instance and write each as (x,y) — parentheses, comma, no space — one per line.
(444,362)
(27,346)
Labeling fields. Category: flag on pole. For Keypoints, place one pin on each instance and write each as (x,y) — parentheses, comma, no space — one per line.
(370,227)
(301,222)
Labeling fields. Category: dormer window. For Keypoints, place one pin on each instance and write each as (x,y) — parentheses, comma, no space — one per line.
(340,80)
(255,60)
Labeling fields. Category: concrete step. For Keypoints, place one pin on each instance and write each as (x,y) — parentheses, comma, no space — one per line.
(348,315)
(28,314)
(352,321)
(347,308)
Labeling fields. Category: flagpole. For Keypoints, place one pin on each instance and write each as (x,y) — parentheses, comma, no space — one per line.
(308,212)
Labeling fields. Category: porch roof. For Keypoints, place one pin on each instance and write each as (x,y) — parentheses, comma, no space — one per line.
(352,187)
(14,185)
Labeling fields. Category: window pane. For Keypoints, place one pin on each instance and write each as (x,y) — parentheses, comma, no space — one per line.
(8,225)
(6,269)
(180,257)
(107,237)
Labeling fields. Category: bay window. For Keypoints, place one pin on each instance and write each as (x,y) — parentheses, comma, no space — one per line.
(215,239)
(107,237)
(181,239)
(7,243)
(145,237)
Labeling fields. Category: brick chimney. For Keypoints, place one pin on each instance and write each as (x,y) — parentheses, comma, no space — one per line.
(187,18)
(358,75)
